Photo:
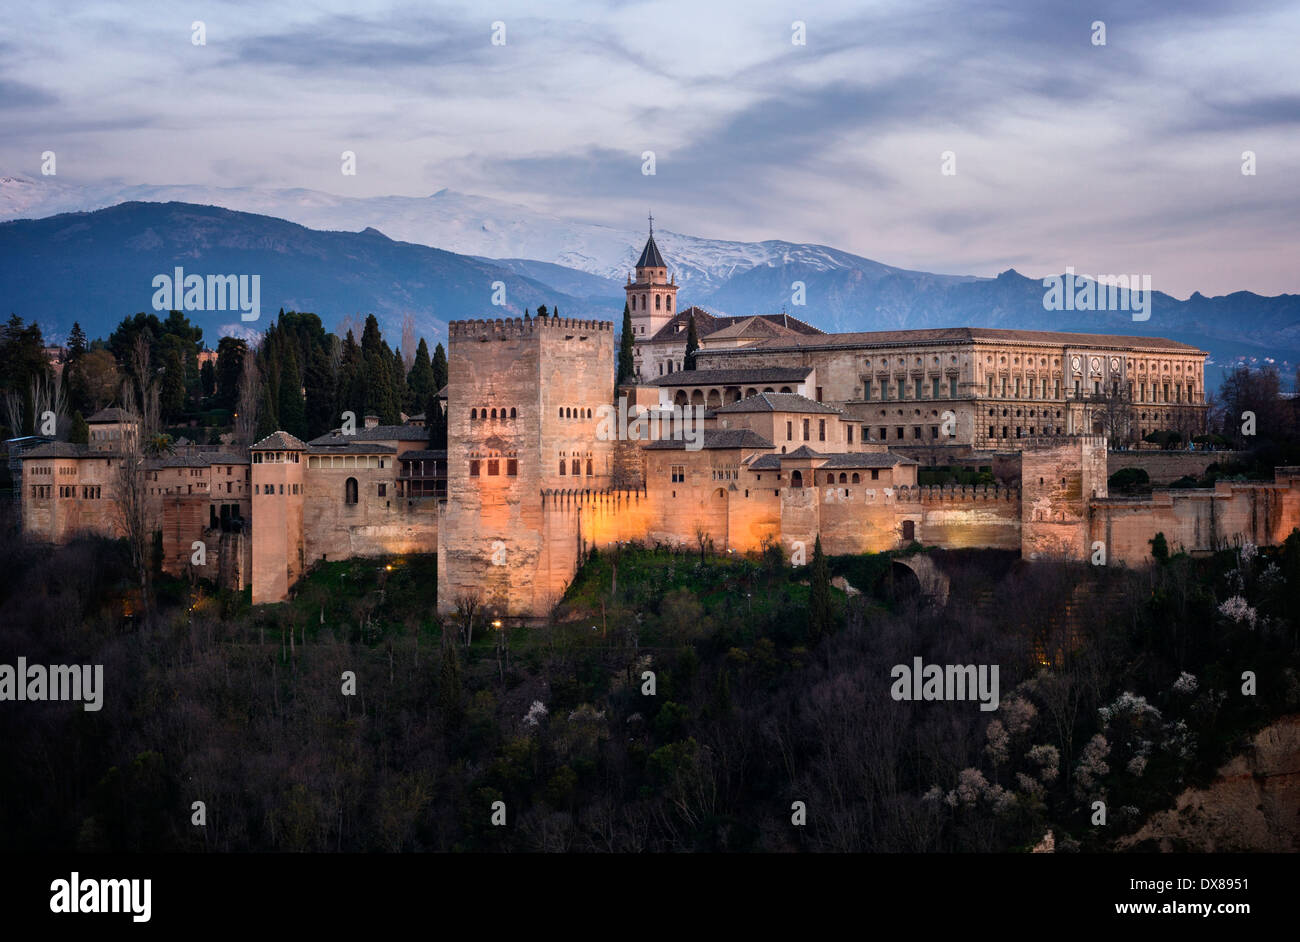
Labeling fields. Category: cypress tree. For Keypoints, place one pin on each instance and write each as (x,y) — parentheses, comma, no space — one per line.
(292,410)
(626,364)
(319,410)
(397,381)
(819,599)
(79,434)
(267,421)
(692,345)
(419,382)
(439,368)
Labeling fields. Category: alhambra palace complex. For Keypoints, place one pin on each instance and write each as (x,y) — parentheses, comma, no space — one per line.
(805,434)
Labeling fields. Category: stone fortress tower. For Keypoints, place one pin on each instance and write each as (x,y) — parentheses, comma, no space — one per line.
(279,559)
(1060,476)
(524,404)
(652,296)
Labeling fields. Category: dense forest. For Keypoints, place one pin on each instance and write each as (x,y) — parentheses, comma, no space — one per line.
(298,377)
(674,701)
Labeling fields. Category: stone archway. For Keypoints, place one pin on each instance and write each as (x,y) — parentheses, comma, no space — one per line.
(919,575)
(714,400)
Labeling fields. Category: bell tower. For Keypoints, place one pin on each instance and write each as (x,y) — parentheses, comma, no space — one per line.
(651,295)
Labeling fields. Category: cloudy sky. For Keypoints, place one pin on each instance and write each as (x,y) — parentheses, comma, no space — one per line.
(1125,157)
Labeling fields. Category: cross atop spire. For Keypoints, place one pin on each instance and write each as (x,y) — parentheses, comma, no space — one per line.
(652,225)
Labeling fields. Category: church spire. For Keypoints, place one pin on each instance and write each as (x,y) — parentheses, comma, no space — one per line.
(650,257)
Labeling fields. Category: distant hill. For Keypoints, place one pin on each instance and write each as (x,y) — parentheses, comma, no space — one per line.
(98,267)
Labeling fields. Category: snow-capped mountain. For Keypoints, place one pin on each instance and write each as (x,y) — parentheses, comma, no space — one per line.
(465,224)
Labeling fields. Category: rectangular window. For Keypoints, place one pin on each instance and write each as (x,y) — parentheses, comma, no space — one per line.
(866,389)
(821,430)
(917,389)
(934,431)
(494,467)
(875,474)
(512,467)
(589,467)
(575,469)
(678,472)
(934,388)
(849,431)
(383,490)
(819,394)
(884,433)
(916,431)
(898,432)
(563,467)
(473,469)
(805,429)
(952,387)
(789,431)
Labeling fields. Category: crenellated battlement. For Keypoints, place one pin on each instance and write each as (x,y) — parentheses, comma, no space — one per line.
(504,328)
(591,496)
(934,493)
(1058,441)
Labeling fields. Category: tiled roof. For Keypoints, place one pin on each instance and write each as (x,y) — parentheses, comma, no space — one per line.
(718,438)
(352,448)
(63,450)
(380,433)
(839,460)
(762,374)
(279,441)
(777,402)
(650,257)
(433,454)
(803,451)
(113,414)
(708,325)
(947,335)
(869,459)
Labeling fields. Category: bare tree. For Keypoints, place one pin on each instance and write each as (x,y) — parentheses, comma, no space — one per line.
(246,411)
(49,396)
(14,413)
(409,341)
(467,603)
(130,508)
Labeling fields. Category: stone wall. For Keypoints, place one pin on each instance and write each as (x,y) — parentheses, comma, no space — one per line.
(1166,467)
(1199,520)
(957,517)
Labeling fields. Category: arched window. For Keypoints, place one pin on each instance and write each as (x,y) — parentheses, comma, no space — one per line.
(588,413)
(473,414)
(844,478)
(512,412)
(494,413)
(658,302)
(855,479)
(350,491)
(669,302)
(796,478)
(562,467)
(576,468)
